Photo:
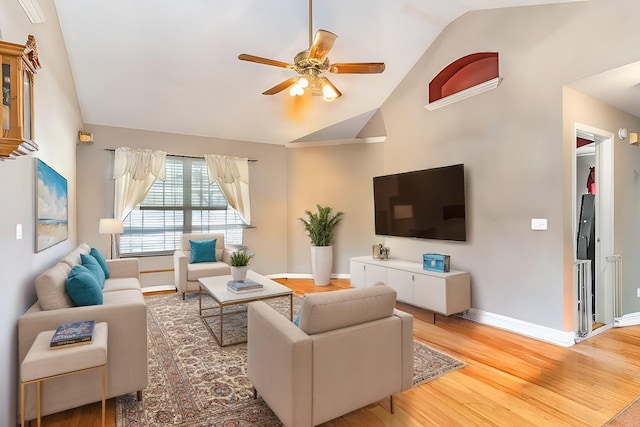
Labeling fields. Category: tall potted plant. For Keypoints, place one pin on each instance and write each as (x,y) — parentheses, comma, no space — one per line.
(320,227)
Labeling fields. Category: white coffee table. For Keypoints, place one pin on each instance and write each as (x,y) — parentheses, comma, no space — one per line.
(216,287)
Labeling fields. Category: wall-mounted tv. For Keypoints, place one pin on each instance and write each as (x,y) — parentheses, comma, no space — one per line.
(426,204)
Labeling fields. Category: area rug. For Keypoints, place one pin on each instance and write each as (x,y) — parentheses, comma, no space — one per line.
(628,417)
(195,382)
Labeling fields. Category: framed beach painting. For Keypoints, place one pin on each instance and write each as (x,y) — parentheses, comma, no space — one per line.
(51,207)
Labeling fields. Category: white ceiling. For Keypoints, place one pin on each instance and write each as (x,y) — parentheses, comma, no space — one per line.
(619,87)
(171,65)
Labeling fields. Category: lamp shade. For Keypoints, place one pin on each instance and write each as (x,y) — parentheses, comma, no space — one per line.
(110,226)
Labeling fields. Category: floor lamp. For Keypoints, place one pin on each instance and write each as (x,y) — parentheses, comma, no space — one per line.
(111,226)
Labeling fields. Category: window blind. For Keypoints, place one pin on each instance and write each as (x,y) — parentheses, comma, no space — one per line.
(184,203)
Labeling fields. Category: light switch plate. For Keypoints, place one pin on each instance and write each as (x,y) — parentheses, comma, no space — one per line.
(18,231)
(538,223)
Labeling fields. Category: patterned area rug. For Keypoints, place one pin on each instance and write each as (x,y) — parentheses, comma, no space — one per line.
(195,382)
(628,417)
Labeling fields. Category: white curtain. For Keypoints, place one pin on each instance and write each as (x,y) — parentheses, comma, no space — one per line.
(232,176)
(134,172)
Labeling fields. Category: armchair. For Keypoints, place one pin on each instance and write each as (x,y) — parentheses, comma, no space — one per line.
(352,348)
(186,275)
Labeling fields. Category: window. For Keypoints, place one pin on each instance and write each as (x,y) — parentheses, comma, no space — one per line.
(184,203)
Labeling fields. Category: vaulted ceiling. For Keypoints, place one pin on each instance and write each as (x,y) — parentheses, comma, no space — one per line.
(172,66)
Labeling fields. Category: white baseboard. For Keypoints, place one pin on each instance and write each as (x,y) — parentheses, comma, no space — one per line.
(158,288)
(542,333)
(303,276)
(289,276)
(627,320)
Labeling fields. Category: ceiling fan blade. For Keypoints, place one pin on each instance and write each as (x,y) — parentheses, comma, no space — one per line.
(322,44)
(358,67)
(265,61)
(327,82)
(281,86)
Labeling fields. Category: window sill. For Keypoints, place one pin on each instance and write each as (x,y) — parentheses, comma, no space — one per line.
(147,254)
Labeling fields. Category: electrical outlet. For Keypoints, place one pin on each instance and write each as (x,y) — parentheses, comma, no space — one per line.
(18,231)
(638,292)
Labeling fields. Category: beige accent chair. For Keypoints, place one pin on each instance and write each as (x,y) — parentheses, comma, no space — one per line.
(187,274)
(352,348)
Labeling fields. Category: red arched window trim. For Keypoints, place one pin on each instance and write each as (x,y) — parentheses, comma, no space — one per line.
(464,73)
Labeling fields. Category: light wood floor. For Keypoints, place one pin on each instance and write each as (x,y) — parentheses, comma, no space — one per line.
(509,380)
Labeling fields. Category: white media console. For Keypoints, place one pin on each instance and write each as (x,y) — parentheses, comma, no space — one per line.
(443,293)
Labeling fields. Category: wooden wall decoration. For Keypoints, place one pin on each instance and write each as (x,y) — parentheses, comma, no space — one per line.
(19,64)
(467,76)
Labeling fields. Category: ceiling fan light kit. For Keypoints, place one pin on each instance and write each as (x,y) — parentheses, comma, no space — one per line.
(311,64)
(318,86)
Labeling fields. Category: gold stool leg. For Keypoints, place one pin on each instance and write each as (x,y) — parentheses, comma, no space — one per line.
(21,404)
(221,325)
(104,391)
(38,403)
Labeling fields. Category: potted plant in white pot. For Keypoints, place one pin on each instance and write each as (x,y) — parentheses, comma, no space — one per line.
(320,227)
(239,261)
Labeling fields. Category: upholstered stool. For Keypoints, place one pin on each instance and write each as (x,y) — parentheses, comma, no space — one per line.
(42,363)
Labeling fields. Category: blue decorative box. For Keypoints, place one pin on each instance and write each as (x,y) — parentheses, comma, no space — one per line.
(436,262)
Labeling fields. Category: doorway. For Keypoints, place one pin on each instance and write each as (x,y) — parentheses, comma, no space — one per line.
(593,177)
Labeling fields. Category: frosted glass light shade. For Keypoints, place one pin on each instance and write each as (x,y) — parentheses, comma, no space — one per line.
(296,90)
(328,94)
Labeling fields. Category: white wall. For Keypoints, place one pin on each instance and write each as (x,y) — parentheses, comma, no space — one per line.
(268,190)
(340,177)
(57,120)
(512,143)
(583,109)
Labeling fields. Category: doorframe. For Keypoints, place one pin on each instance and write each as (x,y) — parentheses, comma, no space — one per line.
(604,200)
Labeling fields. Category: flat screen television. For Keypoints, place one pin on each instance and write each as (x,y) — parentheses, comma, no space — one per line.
(426,204)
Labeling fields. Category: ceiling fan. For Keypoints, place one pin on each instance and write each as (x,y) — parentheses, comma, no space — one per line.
(311,63)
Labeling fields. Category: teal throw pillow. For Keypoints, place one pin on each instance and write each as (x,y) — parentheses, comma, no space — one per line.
(94,267)
(83,287)
(101,260)
(203,251)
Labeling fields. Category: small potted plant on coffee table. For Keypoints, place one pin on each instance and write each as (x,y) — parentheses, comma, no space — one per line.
(239,261)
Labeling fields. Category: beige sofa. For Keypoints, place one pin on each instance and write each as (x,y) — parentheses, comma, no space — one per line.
(352,348)
(125,312)
(187,274)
